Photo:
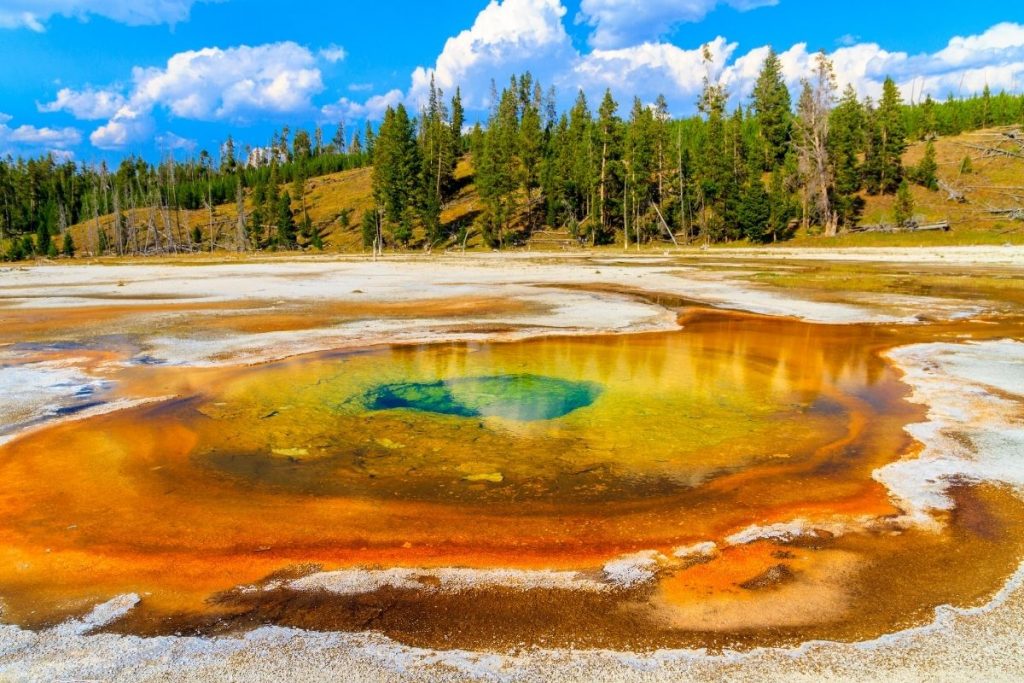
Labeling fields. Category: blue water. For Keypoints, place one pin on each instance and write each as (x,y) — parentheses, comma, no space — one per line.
(525,398)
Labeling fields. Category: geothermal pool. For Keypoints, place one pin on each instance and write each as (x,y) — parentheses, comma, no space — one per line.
(720,482)
(628,482)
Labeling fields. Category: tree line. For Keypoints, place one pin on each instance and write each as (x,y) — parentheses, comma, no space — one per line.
(757,171)
(143,208)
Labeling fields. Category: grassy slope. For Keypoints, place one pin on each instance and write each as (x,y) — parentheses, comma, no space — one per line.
(971,225)
(329,196)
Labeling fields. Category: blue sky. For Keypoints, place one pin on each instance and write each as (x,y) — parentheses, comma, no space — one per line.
(101,78)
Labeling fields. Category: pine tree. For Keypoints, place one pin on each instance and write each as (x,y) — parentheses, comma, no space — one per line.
(925,173)
(577,163)
(607,132)
(845,142)
(437,155)
(755,211)
(227,158)
(458,121)
(285,223)
(370,142)
(68,248)
(43,241)
(929,122)
(738,171)
(641,179)
(985,118)
(661,144)
(497,170)
(368,228)
(772,106)
(397,178)
(887,140)
(781,202)
(530,152)
(302,147)
(338,141)
(903,208)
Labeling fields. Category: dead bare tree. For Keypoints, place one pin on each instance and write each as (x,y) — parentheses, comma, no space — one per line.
(241,238)
(811,140)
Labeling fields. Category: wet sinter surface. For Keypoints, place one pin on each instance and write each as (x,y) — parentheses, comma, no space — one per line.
(640,463)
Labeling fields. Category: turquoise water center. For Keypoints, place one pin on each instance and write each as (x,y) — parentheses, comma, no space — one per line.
(520,397)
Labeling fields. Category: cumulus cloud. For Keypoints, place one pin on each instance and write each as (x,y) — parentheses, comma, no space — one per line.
(31,138)
(282,80)
(232,83)
(506,37)
(516,36)
(212,84)
(88,104)
(33,14)
(650,69)
(372,109)
(620,23)
(128,126)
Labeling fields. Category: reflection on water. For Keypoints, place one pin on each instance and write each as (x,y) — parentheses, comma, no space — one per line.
(523,422)
(559,453)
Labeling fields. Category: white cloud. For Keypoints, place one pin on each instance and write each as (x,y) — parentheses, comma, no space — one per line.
(170,141)
(232,83)
(128,126)
(33,14)
(282,80)
(515,36)
(235,84)
(1003,41)
(650,69)
(621,23)
(88,104)
(334,53)
(507,37)
(994,57)
(372,109)
(28,138)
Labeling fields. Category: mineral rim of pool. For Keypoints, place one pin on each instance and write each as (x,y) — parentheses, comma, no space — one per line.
(584,491)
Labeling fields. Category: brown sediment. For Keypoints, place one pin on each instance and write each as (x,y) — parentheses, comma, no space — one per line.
(735,421)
